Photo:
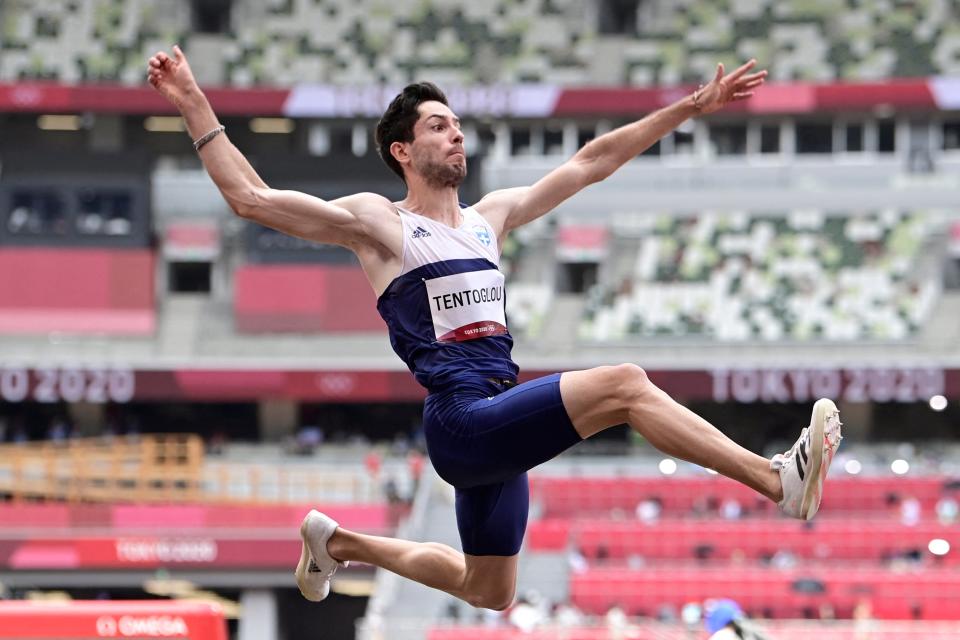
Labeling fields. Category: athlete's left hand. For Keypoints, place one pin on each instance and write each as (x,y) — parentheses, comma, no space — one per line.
(724,89)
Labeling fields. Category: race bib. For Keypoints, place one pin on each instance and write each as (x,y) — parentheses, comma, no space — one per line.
(467,306)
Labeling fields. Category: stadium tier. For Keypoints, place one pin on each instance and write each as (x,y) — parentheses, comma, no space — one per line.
(560,41)
(782,630)
(927,593)
(801,275)
(559,497)
(638,542)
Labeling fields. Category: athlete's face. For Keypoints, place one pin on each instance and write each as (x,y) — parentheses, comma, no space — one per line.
(437,152)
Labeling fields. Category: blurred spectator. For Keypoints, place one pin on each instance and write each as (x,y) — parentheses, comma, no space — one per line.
(783,559)
(577,561)
(910,511)
(603,552)
(373,463)
(731,509)
(667,613)
(453,609)
(489,617)
(307,440)
(738,557)
(691,614)
(217,443)
(703,552)
(19,432)
(617,622)
(725,620)
(527,614)
(827,612)
(649,510)
(635,562)
(59,430)
(863,624)
(566,615)
(808,585)
(415,462)
(947,510)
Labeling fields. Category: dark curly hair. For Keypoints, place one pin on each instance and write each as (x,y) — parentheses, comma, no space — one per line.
(396,124)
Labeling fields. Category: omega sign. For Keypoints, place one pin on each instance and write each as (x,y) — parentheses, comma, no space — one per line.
(142,627)
(806,385)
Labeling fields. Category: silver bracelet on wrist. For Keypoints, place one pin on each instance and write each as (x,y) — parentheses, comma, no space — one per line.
(207,137)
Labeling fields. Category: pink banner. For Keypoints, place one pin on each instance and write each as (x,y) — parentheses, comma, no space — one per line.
(520,101)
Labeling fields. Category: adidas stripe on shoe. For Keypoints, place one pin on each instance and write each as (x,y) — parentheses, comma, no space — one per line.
(316,566)
(803,469)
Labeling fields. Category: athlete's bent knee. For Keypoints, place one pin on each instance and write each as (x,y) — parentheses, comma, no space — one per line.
(497,599)
(631,383)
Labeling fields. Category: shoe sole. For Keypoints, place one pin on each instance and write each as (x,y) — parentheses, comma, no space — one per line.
(818,421)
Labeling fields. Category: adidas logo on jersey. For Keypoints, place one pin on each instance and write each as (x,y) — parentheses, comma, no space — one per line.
(420,232)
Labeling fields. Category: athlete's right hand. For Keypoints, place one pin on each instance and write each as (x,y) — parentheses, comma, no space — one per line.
(172,77)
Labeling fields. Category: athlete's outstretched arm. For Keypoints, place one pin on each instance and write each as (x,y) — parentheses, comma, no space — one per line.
(345,221)
(602,156)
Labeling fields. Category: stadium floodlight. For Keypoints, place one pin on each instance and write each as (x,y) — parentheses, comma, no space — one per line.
(939,547)
(668,466)
(938,403)
(900,466)
(853,467)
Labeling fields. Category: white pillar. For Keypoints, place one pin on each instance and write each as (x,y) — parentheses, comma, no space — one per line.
(258,615)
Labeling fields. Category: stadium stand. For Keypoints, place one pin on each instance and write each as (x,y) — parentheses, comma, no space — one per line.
(554,41)
(584,496)
(782,630)
(803,275)
(643,544)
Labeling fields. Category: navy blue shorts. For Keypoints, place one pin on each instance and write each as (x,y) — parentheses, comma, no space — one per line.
(482,438)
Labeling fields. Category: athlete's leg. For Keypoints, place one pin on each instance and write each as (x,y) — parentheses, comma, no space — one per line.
(482,581)
(605,396)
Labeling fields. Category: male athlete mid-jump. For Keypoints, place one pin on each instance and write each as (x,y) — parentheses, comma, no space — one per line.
(433,265)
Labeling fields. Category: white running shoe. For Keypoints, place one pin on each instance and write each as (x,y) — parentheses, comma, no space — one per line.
(804,467)
(316,566)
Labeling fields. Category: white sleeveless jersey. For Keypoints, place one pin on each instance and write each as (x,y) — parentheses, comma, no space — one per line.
(445,310)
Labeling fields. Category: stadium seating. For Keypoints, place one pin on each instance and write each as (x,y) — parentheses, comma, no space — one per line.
(779,593)
(527,305)
(571,496)
(747,539)
(804,275)
(555,41)
(861,547)
(650,630)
